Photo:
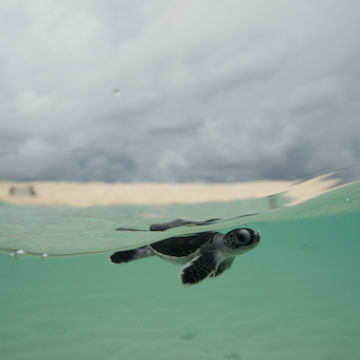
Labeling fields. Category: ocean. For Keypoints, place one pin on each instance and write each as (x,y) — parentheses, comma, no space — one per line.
(295,296)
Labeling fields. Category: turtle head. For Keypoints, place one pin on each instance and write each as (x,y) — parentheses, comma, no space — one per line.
(240,240)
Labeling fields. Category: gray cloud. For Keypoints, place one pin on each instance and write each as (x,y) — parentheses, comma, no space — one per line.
(177,91)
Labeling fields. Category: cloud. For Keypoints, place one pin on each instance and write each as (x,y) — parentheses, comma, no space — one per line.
(177,91)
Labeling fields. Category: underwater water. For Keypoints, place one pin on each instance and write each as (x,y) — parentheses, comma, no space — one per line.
(295,296)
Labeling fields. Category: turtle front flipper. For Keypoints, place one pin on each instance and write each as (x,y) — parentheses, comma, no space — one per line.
(119,257)
(199,268)
(224,265)
(180,222)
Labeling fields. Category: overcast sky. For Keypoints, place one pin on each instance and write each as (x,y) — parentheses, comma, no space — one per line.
(168,90)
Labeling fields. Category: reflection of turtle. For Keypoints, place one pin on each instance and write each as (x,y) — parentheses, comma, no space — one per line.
(204,254)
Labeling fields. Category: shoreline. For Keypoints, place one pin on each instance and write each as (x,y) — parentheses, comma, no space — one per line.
(84,194)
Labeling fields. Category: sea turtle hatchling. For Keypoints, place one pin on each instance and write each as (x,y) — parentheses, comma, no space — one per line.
(203,254)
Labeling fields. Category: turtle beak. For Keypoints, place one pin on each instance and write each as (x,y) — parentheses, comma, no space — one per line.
(256,237)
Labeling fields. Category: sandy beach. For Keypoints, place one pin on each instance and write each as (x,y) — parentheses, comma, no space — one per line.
(85,194)
(98,193)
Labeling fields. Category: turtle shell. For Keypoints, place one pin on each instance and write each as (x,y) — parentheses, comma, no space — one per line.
(180,246)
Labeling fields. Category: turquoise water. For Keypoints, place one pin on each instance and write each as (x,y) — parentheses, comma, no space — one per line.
(296,296)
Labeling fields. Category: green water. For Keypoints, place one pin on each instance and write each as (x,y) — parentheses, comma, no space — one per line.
(296,296)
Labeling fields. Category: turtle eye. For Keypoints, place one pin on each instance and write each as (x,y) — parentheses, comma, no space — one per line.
(243,236)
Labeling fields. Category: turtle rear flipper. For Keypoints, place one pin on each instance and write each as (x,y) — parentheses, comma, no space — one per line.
(119,257)
(199,268)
